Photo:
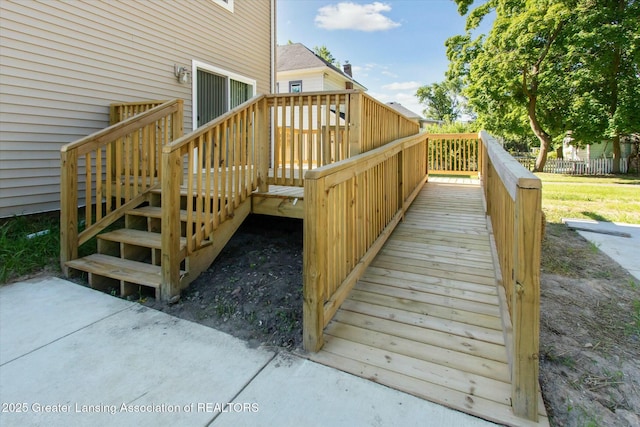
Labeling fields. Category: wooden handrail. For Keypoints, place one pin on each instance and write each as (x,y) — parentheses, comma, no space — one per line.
(351,208)
(121,164)
(210,173)
(513,204)
(101,138)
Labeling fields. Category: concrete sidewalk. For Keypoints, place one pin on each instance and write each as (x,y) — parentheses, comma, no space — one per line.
(71,356)
(623,250)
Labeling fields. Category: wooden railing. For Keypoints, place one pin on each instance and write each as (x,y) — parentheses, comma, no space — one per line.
(453,153)
(513,199)
(110,171)
(351,208)
(311,130)
(214,170)
(377,124)
(320,128)
(120,111)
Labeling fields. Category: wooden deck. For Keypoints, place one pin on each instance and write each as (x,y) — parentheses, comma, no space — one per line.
(425,317)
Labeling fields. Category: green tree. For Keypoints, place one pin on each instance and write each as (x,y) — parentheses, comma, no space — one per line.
(324,53)
(511,76)
(552,66)
(443,101)
(605,56)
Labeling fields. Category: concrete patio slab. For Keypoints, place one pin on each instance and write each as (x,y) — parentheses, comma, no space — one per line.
(134,367)
(40,311)
(76,357)
(623,250)
(292,391)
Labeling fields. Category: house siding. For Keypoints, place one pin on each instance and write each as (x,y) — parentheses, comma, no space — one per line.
(63,63)
(334,82)
(311,82)
(597,150)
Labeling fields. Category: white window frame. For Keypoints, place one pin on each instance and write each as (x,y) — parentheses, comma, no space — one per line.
(227,4)
(195,65)
(294,83)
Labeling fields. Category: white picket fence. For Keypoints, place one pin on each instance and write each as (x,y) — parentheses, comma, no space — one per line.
(576,167)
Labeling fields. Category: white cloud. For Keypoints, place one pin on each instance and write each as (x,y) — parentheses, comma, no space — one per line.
(352,16)
(389,74)
(402,86)
(360,71)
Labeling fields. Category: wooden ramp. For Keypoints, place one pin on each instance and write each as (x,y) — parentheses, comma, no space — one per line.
(425,317)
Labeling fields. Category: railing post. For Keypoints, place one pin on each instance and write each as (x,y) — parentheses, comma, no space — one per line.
(68,208)
(355,127)
(480,153)
(314,263)
(401,191)
(262,136)
(526,302)
(178,121)
(171,179)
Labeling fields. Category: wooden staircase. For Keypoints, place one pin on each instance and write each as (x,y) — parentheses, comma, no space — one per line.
(130,257)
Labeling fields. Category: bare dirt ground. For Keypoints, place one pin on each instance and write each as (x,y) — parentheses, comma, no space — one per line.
(589,334)
(254,288)
(589,329)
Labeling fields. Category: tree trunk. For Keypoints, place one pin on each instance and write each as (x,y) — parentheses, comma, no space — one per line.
(617,154)
(543,137)
(545,144)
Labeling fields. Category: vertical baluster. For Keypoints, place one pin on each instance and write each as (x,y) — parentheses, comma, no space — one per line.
(87,191)
(197,164)
(189,198)
(208,143)
(99,195)
(216,146)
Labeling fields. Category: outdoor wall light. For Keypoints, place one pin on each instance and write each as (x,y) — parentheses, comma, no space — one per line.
(182,74)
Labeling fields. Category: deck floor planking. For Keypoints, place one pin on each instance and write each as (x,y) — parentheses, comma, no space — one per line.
(425,316)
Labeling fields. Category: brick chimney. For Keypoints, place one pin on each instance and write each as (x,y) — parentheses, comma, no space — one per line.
(347,69)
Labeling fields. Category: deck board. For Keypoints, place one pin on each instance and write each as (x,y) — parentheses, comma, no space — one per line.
(425,316)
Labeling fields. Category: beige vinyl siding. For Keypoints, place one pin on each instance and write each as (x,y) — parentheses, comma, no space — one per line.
(334,82)
(311,82)
(63,63)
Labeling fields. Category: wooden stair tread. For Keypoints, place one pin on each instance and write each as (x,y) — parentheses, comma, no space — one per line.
(154,212)
(146,239)
(120,269)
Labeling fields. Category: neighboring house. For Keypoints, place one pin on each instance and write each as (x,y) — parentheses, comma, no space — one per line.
(301,70)
(64,63)
(413,116)
(599,150)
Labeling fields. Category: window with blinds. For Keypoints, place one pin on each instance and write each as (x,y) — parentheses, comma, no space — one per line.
(212,96)
(217,94)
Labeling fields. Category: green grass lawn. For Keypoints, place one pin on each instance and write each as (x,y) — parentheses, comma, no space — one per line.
(28,244)
(601,198)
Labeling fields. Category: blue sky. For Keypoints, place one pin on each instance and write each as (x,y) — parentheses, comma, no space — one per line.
(394,46)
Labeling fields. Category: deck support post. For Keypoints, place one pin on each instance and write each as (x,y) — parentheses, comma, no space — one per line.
(171,180)
(315,263)
(68,208)
(526,303)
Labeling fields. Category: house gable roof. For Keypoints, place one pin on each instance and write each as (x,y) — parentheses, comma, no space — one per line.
(404,111)
(296,56)
(410,114)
